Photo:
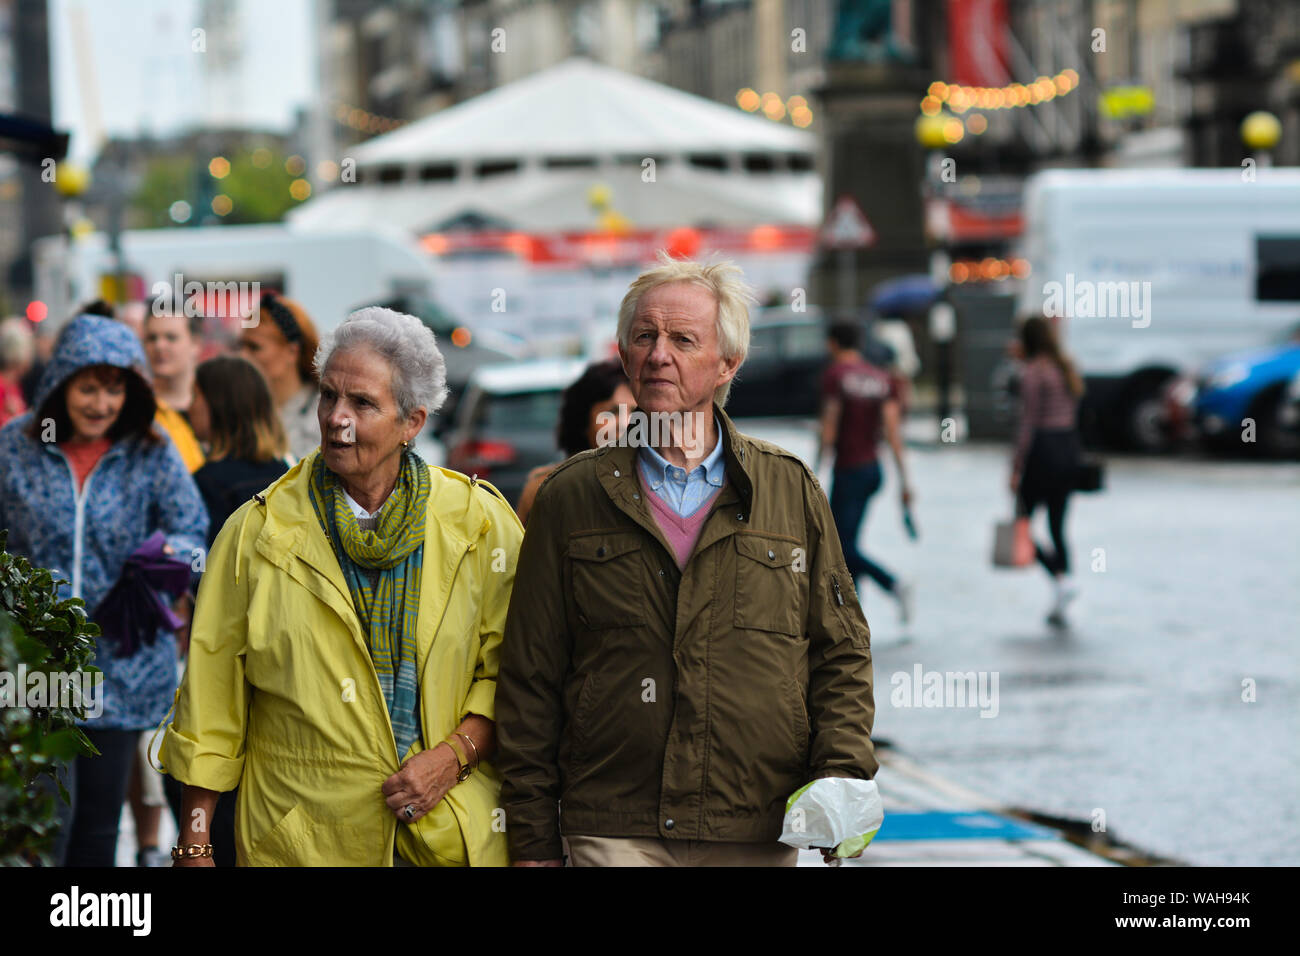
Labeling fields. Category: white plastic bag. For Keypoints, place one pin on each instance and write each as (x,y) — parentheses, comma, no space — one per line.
(840,812)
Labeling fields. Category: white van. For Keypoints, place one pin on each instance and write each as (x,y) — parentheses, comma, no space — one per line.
(1152,272)
(328,273)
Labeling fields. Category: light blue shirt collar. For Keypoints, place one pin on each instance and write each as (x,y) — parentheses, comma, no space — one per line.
(658,470)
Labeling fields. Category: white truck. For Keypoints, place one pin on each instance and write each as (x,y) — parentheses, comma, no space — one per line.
(329,273)
(1152,272)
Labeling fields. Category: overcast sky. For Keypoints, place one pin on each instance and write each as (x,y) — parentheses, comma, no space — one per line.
(145,75)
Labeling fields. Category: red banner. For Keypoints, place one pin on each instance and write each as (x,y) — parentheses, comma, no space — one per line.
(977,42)
(567,248)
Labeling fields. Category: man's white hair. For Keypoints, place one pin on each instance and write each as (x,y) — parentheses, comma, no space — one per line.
(722,279)
(406,343)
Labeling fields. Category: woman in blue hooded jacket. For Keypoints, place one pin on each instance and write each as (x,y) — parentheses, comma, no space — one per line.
(85,479)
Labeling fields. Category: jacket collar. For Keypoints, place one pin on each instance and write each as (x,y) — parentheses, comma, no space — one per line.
(738,453)
(735,449)
(616,472)
(656,469)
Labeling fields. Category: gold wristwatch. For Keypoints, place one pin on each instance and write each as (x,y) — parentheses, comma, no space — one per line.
(461,759)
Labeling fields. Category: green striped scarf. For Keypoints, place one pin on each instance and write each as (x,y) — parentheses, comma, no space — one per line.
(383,570)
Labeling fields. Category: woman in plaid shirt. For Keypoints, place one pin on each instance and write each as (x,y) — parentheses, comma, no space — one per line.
(1047,449)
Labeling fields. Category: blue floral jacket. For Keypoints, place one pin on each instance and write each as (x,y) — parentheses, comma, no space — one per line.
(86,536)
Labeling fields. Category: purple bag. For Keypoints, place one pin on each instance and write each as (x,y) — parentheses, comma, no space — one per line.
(133,610)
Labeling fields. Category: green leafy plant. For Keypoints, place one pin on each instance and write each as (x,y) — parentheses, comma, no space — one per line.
(38,633)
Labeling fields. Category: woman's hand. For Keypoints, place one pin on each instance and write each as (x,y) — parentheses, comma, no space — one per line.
(194,861)
(422,782)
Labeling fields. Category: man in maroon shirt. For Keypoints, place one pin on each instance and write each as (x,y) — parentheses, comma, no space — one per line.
(859,402)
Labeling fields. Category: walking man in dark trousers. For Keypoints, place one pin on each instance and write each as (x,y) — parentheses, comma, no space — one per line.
(859,403)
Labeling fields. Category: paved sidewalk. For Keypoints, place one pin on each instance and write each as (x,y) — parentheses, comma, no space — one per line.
(930,821)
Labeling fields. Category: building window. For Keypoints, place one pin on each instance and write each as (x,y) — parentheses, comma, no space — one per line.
(708,161)
(496,167)
(437,172)
(569,162)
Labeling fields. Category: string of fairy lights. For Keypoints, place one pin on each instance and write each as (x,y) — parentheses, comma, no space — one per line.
(774,108)
(938,125)
(364,121)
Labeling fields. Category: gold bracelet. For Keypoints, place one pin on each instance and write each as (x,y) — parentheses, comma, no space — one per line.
(192,851)
(470,740)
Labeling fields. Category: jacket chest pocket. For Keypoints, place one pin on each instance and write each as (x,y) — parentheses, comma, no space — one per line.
(606,578)
(771,577)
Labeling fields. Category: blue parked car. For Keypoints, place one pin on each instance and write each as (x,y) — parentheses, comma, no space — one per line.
(1249,385)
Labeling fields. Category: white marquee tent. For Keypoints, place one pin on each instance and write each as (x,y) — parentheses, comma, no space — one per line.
(526,155)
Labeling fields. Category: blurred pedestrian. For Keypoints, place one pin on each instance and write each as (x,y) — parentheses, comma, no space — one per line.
(600,391)
(172,343)
(684,648)
(281,340)
(132,315)
(145,792)
(344,651)
(85,479)
(1047,454)
(17,350)
(859,406)
(43,336)
(234,415)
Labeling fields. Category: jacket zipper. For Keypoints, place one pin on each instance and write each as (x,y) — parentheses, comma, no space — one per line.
(79,496)
(835,585)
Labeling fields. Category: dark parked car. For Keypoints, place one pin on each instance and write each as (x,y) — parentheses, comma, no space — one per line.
(782,375)
(505,424)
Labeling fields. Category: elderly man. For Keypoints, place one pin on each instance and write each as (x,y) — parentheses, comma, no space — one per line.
(684,647)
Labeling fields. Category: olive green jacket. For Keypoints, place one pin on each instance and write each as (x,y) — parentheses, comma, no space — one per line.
(635,699)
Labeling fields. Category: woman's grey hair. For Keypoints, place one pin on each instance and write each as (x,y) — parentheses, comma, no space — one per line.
(406,343)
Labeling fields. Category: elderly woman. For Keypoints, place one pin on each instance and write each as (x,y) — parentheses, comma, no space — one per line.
(343,656)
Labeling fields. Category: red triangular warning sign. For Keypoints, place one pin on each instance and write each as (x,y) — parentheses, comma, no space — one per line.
(847,227)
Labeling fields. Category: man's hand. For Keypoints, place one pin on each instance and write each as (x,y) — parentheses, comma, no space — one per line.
(538,863)
(828,854)
(908,496)
(421,783)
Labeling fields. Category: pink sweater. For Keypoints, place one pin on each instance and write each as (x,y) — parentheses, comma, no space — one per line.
(682,533)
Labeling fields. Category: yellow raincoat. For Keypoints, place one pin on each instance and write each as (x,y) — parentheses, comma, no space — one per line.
(280,696)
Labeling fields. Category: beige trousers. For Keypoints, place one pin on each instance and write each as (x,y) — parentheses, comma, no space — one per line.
(652,851)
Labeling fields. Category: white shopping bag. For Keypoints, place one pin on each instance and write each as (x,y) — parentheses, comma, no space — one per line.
(840,812)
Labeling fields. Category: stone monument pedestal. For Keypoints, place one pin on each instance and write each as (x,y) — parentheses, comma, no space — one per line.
(868,114)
